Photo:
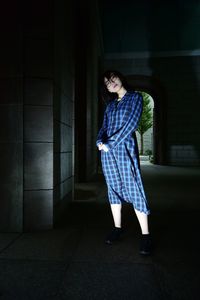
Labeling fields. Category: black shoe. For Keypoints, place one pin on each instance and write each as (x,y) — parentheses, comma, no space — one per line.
(145,244)
(113,236)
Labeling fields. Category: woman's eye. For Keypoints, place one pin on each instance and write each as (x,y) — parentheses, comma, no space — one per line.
(109,83)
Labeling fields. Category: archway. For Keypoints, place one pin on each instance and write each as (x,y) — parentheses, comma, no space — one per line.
(144,133)
(153,87)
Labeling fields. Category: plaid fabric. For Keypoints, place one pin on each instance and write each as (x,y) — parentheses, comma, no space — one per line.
(120,164)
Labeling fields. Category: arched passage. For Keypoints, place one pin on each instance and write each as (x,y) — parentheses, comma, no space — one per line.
(154,88)
(144,133)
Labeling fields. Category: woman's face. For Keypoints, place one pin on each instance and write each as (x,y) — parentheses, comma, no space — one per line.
(114,84)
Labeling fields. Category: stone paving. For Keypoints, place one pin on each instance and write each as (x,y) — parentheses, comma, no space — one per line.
(72,262)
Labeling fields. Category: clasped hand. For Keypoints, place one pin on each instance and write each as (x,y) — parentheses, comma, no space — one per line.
(103,147)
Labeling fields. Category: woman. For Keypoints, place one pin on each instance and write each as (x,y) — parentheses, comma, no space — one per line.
(119,155)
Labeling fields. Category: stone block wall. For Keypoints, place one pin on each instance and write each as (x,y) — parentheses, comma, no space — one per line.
(36,80)
(63,105)
(48,110)
(38,115)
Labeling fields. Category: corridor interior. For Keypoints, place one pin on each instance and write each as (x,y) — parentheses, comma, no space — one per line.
(72,261)
(52,234)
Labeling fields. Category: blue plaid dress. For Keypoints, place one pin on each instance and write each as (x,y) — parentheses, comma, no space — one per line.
(121,163)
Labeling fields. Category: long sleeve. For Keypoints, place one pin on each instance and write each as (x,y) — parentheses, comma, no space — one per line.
(102,132)
(129,126)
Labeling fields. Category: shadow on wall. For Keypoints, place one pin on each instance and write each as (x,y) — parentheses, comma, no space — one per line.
(180,76)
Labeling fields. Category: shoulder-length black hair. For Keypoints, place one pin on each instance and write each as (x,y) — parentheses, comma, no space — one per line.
(105,94)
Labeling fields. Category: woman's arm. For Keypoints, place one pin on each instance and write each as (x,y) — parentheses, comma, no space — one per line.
(130,124)
(102,132)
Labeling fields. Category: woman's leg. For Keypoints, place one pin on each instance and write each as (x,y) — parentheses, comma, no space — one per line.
(115,234)
(116,213)
(143,221)
(145,242)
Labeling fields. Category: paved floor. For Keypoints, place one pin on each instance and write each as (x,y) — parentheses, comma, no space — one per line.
(72,262)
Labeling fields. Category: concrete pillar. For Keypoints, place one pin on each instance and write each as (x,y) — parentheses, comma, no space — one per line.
(11,120)
(37,80)
(38,115)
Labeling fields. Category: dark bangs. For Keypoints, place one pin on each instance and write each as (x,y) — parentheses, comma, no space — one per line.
(105,94)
